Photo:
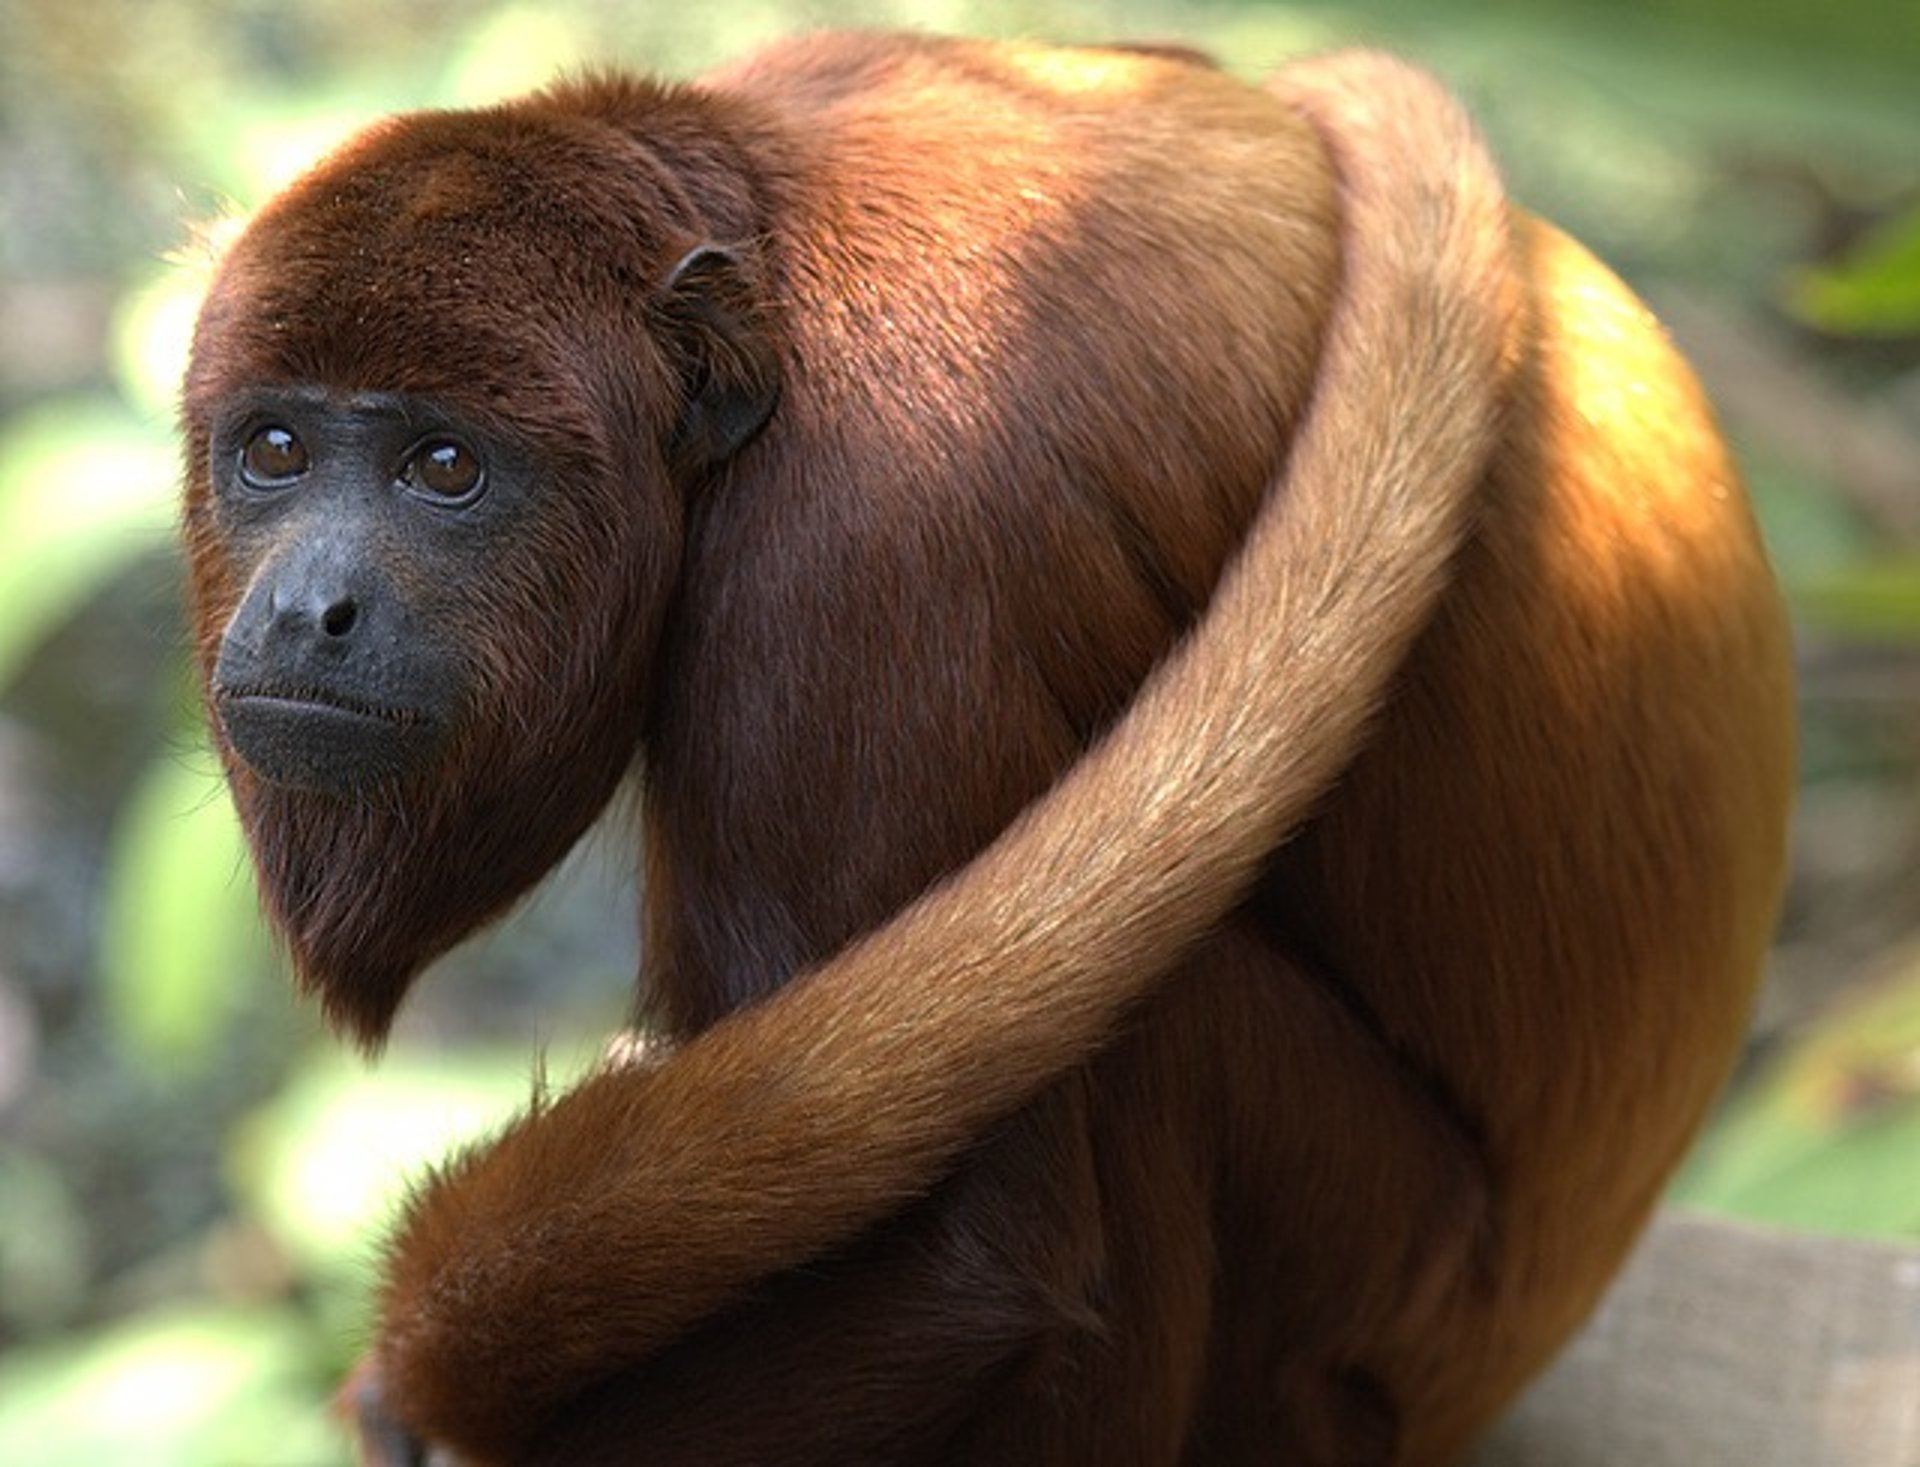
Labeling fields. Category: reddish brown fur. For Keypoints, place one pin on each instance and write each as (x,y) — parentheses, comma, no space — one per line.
(1049,325)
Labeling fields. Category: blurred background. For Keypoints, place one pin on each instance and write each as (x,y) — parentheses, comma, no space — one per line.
(193,1177)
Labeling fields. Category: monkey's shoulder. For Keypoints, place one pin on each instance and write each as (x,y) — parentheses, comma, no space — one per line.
(973,99)
(827,67)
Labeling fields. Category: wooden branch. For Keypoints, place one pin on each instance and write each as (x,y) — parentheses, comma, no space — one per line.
(1729,1346)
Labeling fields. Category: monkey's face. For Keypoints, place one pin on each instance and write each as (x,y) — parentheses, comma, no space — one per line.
(445,401)
(341,669)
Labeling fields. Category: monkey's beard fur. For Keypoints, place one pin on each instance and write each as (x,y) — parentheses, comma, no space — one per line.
(365,890)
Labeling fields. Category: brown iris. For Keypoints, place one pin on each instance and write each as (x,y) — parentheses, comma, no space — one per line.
(273,456)
(445,469)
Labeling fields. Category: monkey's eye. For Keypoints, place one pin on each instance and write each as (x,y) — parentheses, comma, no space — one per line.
(443,469)
(273,458)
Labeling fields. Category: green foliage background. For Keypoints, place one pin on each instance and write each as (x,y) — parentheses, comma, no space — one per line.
(192,1178)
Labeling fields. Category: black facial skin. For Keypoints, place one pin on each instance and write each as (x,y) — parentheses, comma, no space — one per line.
(337,674)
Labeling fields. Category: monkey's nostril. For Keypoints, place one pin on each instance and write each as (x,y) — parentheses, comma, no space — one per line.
(339,618)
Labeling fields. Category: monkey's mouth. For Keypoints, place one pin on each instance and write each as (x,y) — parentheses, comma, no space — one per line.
(313,737)
(313,696)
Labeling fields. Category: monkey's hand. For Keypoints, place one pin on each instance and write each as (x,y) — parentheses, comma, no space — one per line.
(591,1235)
(491,1318)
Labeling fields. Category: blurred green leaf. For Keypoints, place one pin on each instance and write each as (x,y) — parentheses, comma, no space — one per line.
(514,50)
(180,934)
(43,1242)
(187,1388)
(1875,291)
(151,332)
(1878,598)
(1811,532)
(84,490)
(327,1163)
(1829,1137)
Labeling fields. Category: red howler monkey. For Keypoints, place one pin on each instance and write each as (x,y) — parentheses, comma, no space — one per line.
(1264,1056)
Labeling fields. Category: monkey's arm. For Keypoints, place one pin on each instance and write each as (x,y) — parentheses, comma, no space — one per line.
(1054,1299)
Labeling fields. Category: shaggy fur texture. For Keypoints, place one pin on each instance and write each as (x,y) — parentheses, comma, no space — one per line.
(1215,774)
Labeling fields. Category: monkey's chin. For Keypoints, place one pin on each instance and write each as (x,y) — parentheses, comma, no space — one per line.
(310,740)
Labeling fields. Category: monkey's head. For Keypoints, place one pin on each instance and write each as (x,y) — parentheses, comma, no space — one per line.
(446,398)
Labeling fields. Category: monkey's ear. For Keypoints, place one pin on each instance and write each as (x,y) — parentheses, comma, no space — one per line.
(715,329)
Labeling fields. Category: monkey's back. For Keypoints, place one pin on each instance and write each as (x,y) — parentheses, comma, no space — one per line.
(1550,879)
(1051,319)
